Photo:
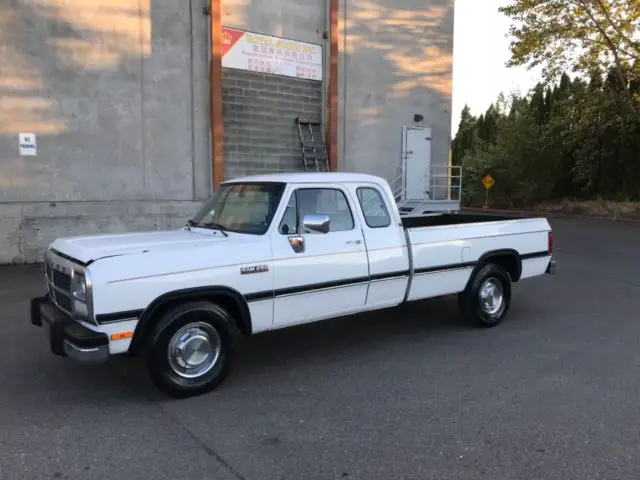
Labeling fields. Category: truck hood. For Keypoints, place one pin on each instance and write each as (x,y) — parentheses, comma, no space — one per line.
(88,248)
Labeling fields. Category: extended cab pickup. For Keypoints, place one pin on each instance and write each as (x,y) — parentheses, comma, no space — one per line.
(268,252)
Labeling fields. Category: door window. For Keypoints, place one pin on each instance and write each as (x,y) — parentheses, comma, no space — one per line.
(317,201)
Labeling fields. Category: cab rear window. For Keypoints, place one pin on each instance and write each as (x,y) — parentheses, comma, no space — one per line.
(373,208)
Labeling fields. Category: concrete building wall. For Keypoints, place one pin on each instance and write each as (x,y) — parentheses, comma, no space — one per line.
(259,111)
(116,93)
(395,60)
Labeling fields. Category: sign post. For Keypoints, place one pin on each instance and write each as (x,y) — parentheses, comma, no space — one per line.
(488,182)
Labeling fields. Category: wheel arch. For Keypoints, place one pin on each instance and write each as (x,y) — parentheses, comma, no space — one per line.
(507,258)
(228,298)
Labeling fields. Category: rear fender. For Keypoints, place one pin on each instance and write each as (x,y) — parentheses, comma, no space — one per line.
(506,257)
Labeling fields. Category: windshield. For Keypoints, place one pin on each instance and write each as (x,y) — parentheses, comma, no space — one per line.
(241,207)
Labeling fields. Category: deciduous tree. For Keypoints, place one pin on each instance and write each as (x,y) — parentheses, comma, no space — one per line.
(578,35)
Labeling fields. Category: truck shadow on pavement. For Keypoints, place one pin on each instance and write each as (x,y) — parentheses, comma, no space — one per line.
(353,334)
(30,372)
(350,340)
(270,360)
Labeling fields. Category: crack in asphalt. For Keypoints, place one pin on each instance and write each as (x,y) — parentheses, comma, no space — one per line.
(195,438)
(203,445)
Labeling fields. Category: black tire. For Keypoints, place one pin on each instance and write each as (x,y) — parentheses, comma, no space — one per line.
(204,320)
(471,305)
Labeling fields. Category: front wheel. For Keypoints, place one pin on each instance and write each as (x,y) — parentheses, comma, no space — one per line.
(192,350)
(487,298)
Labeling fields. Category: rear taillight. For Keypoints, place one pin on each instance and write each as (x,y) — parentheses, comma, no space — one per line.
(550,243)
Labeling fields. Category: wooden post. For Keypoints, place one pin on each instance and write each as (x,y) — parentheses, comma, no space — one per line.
(215,95)
(332,97)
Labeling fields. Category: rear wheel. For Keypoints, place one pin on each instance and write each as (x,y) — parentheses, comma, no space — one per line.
(191,350)
(487,298)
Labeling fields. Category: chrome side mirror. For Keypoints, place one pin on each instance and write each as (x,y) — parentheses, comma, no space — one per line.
(316,223)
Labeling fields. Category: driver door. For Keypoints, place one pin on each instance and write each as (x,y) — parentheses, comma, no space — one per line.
(318,275)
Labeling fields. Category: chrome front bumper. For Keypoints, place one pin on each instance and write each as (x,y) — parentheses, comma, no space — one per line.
(66,337)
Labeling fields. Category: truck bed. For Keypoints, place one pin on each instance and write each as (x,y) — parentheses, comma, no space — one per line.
(451,219)
(443,258)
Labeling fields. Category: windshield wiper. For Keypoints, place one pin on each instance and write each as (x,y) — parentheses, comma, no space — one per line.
(218,226)
(215,225)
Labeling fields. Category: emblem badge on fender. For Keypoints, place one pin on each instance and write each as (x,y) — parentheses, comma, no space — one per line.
(254,269)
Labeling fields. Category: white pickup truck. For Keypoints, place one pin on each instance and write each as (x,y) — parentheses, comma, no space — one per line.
(268,252)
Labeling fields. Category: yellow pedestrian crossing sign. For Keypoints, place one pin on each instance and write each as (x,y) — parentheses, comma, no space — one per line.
(488,181)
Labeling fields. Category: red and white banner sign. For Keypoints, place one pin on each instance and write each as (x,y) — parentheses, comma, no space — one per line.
(263,53)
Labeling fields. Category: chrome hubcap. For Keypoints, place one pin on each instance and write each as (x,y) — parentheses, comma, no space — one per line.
(194,350)
(491,296)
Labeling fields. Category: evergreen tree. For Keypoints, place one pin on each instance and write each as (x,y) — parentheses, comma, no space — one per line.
(464,139)
(573,139)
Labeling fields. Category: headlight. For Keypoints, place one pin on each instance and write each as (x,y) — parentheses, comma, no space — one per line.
(79,286)
(81,296)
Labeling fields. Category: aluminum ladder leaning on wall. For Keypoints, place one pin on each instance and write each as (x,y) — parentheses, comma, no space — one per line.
(314,151)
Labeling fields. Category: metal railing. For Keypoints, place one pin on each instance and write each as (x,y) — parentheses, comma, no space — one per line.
(443,182)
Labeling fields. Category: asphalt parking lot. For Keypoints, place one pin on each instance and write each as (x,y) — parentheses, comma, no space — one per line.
(413,393)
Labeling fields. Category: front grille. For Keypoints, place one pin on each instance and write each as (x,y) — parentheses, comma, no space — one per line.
(62,280)
(59,282)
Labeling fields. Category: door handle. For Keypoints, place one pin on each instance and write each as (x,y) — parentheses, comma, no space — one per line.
(297,244)
(354,242)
